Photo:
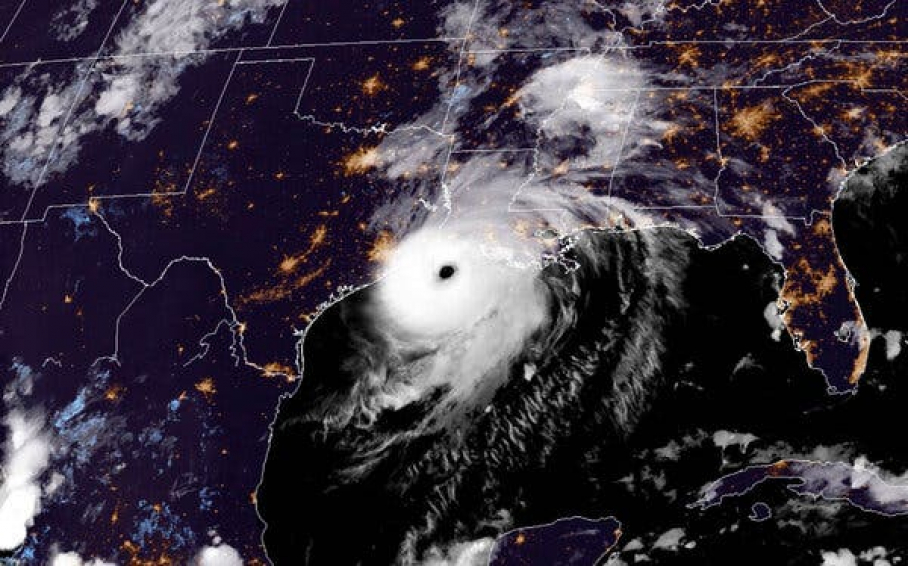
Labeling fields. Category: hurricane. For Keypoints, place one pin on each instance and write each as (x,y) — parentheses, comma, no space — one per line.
(438,402)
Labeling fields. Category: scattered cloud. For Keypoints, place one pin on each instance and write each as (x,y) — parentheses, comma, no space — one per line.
(10,100)
(877,556)
(32,124)
(642,12)
(772,245)
(594,102)
(471,553)
(670,539)
(776,220)
(151,52)
(573,117)
(70,22)
(842,557)
(639,551)
(723,439)
(774,320)
(893,344)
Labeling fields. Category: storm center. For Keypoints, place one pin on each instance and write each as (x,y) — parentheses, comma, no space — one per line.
(446,271)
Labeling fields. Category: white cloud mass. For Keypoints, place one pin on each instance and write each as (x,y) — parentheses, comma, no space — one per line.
(27,454)
(219,555)
(843,557)
(893,344)
(73,559)
(472,553)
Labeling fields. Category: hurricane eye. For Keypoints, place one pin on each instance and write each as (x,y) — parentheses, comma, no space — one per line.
(446,271)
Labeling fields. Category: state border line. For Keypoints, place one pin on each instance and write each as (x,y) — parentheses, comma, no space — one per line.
(239,61)
(651,44)
(12,20)
(51,154)
(216,50)
(280,17)
(185,190)
(327,44)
